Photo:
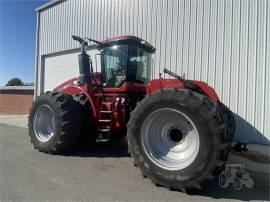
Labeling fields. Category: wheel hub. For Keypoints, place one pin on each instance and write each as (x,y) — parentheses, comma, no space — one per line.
(170,139)
(176,135)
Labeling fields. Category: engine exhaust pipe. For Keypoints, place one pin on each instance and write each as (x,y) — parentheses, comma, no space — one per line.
(85,63)
(84,68)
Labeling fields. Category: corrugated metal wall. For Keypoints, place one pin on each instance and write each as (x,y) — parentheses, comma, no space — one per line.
(225,43)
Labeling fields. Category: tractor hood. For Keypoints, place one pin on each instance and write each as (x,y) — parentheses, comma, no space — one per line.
(75,80)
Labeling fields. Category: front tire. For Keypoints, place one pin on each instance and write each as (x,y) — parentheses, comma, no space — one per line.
(88,132)
(53,122)
(249,183)
(183,146)
(237,184)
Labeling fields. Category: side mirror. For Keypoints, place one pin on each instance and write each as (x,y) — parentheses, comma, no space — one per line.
(77,38)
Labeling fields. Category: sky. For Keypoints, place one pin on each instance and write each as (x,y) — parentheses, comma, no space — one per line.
(17,39)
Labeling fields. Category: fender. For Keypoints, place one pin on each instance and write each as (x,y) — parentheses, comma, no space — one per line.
(71,87)
(208,90)
(159,84)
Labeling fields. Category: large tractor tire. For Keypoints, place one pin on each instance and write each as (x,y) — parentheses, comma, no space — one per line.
(53,122)
(229,118)
(178,139)
(88,132)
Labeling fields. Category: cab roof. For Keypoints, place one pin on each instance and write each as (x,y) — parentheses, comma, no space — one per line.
(127,40)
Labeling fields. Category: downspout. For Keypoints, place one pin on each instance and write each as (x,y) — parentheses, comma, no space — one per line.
(37,69)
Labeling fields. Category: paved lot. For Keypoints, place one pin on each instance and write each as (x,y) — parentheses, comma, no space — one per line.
(98,172)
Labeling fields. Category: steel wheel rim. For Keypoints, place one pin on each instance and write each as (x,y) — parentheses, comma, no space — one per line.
(161,147)
(44,123)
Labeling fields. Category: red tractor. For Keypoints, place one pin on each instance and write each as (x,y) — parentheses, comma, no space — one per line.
(179,133)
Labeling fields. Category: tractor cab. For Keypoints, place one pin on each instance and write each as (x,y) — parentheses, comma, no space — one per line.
(125,59)
(125,72)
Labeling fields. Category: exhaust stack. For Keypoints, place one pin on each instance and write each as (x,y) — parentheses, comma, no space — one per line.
(86,73)
(84,67)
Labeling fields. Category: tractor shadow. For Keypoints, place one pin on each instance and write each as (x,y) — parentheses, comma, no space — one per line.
(98,149)
(260,191)
(211,189)
(246,132)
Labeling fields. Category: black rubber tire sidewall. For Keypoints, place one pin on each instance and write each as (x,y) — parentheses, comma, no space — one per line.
(88,132)
(54,138)
(64,108)
(199,169)
(205,154)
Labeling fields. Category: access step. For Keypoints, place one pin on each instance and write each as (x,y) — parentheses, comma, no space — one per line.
(108,112)
(104,120)
(104,130)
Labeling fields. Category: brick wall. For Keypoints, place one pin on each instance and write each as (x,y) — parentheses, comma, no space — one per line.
(15,103)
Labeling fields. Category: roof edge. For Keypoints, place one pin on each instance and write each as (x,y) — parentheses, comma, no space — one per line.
(48,5)
(2,88)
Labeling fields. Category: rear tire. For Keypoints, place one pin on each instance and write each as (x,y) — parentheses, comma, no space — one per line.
(229,118)
(202,115)
(53,122)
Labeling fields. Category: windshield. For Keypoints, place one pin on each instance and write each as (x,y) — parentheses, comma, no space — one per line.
(125,63)
(114,65)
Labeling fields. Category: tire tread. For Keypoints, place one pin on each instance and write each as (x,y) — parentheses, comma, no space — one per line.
(202,105)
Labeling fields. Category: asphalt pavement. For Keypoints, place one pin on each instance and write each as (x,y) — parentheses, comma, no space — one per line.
(99,172)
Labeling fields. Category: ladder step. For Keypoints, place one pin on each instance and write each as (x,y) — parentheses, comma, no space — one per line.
(104,130)
(106,102)
(104,120)
(107,112)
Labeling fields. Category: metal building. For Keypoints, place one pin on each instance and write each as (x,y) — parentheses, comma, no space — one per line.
(225,43)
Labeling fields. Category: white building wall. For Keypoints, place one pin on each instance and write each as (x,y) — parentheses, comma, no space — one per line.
(225,43)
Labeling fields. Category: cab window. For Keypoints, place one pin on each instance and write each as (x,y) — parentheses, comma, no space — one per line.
(139,65)
(114,60)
